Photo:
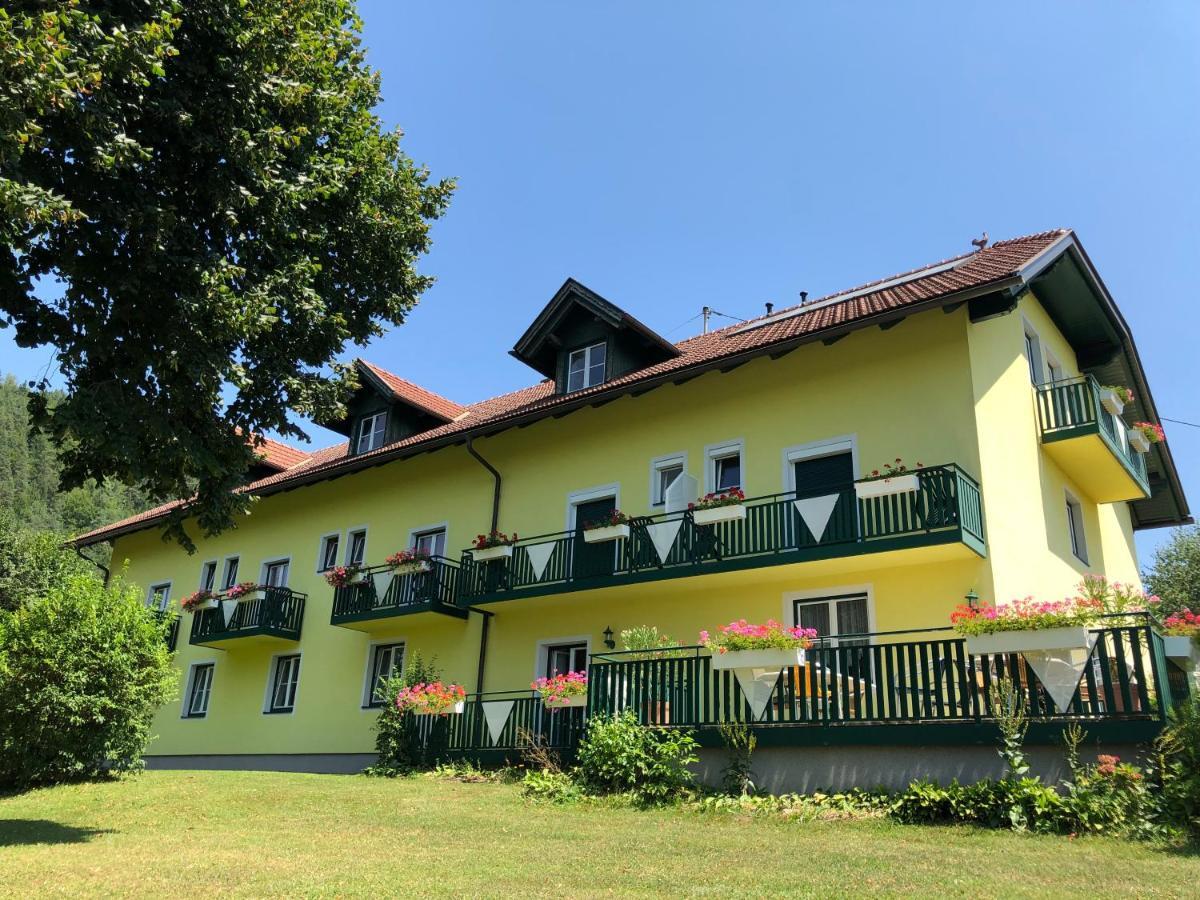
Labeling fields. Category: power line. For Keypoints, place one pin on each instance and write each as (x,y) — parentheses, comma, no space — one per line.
(1180,422)
(682,324)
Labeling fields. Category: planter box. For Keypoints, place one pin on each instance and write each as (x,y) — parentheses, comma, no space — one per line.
(210,603)
(714,514)
(1139,441)
(607,533)
(567,702)
(1111,401)
(456,710)
(504,551)
(1183,652)
(758,659)
(411,568)
(887,487)
(1074,637)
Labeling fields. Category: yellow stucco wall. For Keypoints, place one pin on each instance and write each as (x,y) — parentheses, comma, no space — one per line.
(934,389)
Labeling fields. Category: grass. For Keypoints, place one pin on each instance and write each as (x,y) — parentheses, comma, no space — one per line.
(258,833)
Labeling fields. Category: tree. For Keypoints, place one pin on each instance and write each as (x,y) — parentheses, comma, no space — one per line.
(82,674)
(33,562)
(1174,574)
(198,210)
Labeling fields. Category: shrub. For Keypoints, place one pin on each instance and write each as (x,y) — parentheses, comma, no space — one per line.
(617,755)
(82,673)
(1179,749)
(1013,803)
(738,776)
(32,562)
(1112,797)
(557,787)
(398,744)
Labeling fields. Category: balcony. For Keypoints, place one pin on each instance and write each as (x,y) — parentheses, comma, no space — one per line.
(383,594)
(269,615)
(1090,443)
(944,511)
(887,688)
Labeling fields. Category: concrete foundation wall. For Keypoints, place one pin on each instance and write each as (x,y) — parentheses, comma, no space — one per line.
(320,763)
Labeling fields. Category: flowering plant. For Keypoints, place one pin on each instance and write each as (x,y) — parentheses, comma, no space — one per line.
(240,590)
(616,517)
(193,600)
(433,698)
(1151,432)
(741,635)
(493,539)
(731,497)
(644,642)
(561,687)
(893,470)
(1120,390)
(340,576)
(1097,599)
(1183,624)
(404,557)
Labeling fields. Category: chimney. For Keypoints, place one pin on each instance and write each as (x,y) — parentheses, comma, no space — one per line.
(804,296)
(770,306)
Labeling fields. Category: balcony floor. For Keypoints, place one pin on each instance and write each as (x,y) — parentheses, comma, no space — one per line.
(384,618)
(1094,466)
(249,637)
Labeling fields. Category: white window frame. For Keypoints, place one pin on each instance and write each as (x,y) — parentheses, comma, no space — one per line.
(166,595)
(216,583)
(362,425)
(272,673)
(603,492)
(587,365)
(809,595)
(321,551)
(274,561)
(1037,365)
(667,461)
(350,543)
(815,450)
(1052,365)
(190,682)
(369,670)
(542,654)
(225,570)
(414,533)
(1074,507)
(723,450)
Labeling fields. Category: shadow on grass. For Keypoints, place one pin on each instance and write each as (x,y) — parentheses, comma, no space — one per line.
(14,832)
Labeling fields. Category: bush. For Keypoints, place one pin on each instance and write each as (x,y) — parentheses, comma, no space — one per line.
(82,673)
(617,755)
(1179,749)
(397,741)
(1112,797)
(32,562)
(557,787)
(1017,803)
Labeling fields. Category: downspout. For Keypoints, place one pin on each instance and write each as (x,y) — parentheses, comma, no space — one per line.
(487,616)
(103,568)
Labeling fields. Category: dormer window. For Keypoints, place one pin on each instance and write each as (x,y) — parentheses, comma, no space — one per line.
(371,431)
(586,366)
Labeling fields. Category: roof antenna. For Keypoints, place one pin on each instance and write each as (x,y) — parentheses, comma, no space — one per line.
(706,312)
(981,242)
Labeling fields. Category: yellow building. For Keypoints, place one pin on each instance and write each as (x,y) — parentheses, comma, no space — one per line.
(983,374)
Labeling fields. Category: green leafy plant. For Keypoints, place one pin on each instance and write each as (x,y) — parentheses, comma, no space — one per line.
(1113,797)
(1178,746)
(398,745)
(740,741)
(556,787)
(1008,709)
(618,756)
(645,642)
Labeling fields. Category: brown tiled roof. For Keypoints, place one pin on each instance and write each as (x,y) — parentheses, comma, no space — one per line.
(997,263)
(280,456)
(415,395)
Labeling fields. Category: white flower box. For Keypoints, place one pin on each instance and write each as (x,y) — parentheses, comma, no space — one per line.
(1182,651)
(566,702)
(1111,401)
(412,568)
(887,487)
(210,603)
(1138,441)
(456,710)
(729,513)
(1073,637)
(503,551)
(607,533)
(759,659)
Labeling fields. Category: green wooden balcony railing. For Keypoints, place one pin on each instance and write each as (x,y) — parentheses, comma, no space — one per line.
(274,612)
(521,717)
(945,508)
(172,635)
(1072,408)
(382,594)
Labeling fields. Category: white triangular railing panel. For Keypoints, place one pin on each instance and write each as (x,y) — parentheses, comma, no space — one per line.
(815,511)
(539,557)
(662,536)
(496,713)
(757,687)
(1060,670)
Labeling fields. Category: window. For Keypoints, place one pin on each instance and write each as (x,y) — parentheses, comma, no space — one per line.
(276,573)
(1075,527)
(356,551)
(283,684)
(432,541)
(833,616)
(386,660)
(586,367)
(663,472)
(723,464)
(564,658)
(159,596)
(329,552)
(1033,354)
(208,576)
(371,432)
(231,573)
(198,691)
(1054,368)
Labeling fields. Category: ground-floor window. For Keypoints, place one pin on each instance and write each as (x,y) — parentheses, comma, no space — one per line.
(386,660)
(843,614)
(199,690)
(564,658)
(285,678)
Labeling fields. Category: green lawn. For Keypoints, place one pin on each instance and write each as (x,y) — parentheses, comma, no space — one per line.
(254,833)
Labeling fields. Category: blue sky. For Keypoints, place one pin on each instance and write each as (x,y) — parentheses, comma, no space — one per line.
(672,156)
